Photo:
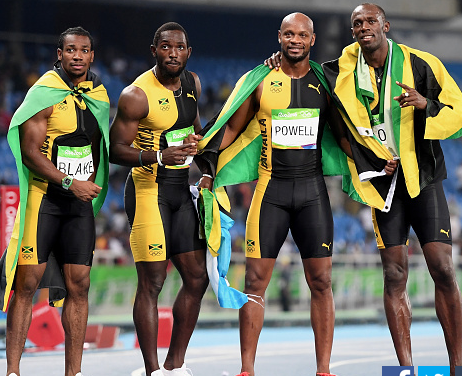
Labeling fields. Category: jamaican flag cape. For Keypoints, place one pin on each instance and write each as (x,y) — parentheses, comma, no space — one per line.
(239,162)
(49,90)
(354,89)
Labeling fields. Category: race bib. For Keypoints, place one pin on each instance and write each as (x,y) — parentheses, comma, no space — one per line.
(175,138)
(76,161)
(295,128)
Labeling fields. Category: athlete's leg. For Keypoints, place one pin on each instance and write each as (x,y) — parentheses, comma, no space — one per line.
(257,276)
(318,273)
(38,237)
(193,271)
(447,298)
(20,312)
(75,314)
(396,300)
(312,228)
(151,277)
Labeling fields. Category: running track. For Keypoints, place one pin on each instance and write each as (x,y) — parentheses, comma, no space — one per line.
(358,350)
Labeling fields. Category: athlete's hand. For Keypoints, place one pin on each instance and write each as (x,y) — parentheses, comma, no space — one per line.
(176,155)
(84,190)
(206,182)
(274,61)
(193,139)
(410,97)
(391,166)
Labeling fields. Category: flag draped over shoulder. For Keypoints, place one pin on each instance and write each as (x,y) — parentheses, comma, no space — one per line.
(49,90)
(370,155)
(239,162)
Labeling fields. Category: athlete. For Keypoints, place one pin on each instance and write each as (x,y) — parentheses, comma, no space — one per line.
(291,106)
(156,114)
(413,102)
(59,138)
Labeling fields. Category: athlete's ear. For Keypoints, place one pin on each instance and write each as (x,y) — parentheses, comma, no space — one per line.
(279,36)
(154,51)
(60,54)
(386,27)
(313,38)
(189,52)
(92,56)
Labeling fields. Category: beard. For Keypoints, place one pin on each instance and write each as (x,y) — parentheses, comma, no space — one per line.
(165,72)
(295,59)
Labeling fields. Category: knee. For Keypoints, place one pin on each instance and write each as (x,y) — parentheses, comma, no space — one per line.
(443,275)
(197,282)
(78,287)
(255,283)
(320,283)
(394,277)
(150,284)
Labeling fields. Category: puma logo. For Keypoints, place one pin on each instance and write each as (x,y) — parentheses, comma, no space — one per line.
(327,246)
(191,96)
(315,88)
(445,232)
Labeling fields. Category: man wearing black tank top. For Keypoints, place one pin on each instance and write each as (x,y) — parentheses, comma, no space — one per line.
(155,115)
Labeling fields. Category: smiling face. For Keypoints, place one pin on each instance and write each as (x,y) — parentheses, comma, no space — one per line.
(171,53)
(369,27)
(296,37)
(76,57)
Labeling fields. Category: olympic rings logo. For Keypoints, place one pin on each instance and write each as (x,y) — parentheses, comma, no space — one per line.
(275,89)
(155,253)
(306,113)
(165,108)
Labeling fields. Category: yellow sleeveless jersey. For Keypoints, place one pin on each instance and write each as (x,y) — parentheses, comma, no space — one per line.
(70,129)
(169,121)
(291,117)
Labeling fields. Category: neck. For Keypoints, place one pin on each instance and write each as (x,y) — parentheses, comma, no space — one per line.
(297,69)
(75,80)
(376,58)
(171,83)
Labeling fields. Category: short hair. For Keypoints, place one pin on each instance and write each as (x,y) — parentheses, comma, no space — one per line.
(167,27)
(79,30)
(379,8)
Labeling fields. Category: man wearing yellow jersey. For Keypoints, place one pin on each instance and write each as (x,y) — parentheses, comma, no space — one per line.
(292,107)
(62,145)
(155,114)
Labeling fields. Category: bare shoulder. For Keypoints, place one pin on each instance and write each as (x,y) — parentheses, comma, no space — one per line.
(197,82)
(133,103)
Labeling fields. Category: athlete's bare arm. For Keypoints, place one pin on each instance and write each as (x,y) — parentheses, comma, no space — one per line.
(95,151)
(133,106)
(32,135)
(337,125)
(241,117)
(194,138)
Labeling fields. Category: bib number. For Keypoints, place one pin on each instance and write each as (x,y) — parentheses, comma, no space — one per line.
(175,138)
(76,161)
(295,128)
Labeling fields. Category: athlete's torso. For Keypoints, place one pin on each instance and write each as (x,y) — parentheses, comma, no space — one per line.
(170,119)
(292,115)
(68,144)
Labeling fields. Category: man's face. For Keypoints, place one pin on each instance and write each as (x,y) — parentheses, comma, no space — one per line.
(76,57)
(369,27)
(171,53)
(296,38)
